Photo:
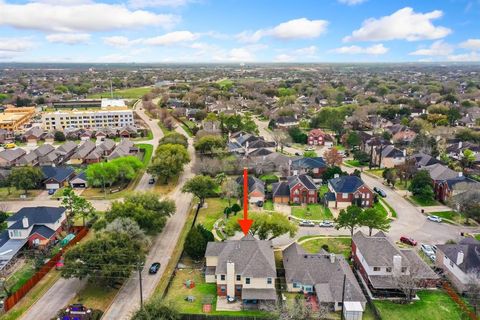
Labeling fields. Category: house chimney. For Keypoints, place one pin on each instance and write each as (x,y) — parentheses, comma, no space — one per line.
(336,175)
(397,264)
(404,152)
(460,174)
(460,144)
(25,222)
(459,258)
(332,257)
(230,279)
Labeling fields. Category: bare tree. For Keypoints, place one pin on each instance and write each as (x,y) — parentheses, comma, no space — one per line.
(280,138)
(466,200)
(472,291)
(297,309)
(230,190)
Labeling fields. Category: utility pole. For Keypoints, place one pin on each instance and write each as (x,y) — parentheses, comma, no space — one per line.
(343,297)
(140,278)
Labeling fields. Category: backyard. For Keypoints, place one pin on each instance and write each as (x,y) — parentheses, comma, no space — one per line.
(339,245)
(202,292)
(433,305)
(312,212)
(211,212)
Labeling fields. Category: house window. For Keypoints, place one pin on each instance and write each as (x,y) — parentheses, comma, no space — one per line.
(388,269)
(238,288)
(297,285)
(247,280)
(312,192)
(239,277)
(269,280)
(222,288)
(222,277)
(404,269)
(367,195)
(376,268)
(345,195)
(296,192)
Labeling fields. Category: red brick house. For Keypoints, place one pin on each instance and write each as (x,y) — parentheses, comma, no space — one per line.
(316,137)
(299,189)
(348,190)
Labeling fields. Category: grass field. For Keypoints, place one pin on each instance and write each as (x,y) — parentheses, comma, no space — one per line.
(339,245)
(15,194)
(450,215)
(380,208)
(130,93)
(376,172)
(312,212)
(424,203)
(21,276)
(394,213)
(148,151)
(433,305)
(214,211)
(268,205)
(355,163)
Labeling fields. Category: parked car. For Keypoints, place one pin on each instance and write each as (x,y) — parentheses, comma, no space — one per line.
(297,154)
(326,224)
(309,149)
(434,218)
(409,241)
(259,203)
(427,249)
(51,192)
(10,146)
(307,223)
(154,268)
(380,192)
(434,248)
(151,180)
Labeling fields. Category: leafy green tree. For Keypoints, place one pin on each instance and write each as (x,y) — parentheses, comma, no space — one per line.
(130,228)
(298,136)
(209,144)
(361,156)
(227,211)
(236,208)
(84,209)
(201,187)
(453,115)
(390,176)
(146,209)
(104,259)
(169,161)
(421,185)
(353,140)
(266,226)
(468,158)
(59,136)
(349,219)
(127,167)
(156,309)
(374,219)
(330,173)
(195,244)
(25,178)
(101,174)
(174,138)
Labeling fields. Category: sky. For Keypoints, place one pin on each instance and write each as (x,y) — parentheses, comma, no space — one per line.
(239,31)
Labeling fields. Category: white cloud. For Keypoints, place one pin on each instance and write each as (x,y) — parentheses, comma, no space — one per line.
(15,44)
(240,55)
(302,28)
(68,38)
(351,2)
(377,49)
(167,39)
(76,17)
(307,51)
(472,44)
(157,3)
(171,38)
(402,24)
(438,48)
(284,58)
(467,57)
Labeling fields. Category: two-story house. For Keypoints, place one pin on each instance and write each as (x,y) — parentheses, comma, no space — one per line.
(242,269)
(388,156)
(286,122)
(256,188)
(322,275)
(459,261)
(316,137)
(314,167)
(383,266)
(56,177)
(299,189)
(347,190)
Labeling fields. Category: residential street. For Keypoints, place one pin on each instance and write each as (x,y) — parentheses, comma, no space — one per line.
(128,300)
(64,290)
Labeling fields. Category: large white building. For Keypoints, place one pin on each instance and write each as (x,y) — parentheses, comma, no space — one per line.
(113,114)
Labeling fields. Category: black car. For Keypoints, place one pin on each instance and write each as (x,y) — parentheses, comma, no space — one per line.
(154,268)
(259,203)
(151,181)
(380,192)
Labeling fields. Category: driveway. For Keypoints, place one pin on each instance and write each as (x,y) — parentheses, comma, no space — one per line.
(128,300)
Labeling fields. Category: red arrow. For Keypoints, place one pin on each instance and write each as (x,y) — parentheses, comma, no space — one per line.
(245,223)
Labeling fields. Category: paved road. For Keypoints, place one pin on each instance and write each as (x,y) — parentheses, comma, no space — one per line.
(128,300)
(64,290)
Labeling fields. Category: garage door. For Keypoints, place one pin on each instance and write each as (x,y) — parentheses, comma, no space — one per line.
(54,186)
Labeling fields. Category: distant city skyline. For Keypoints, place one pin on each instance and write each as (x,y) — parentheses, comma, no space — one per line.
(186,31)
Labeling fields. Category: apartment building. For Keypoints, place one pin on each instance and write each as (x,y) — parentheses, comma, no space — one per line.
(15,118)
(112,114)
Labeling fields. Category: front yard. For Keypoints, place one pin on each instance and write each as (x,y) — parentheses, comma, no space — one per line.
(202,292)
(423,202)
(376,172)
(14,194)
(451,215)
(355,163)
(338,245)
(312,212)
(433,305)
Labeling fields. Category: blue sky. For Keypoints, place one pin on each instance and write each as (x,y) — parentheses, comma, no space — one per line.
(239,30)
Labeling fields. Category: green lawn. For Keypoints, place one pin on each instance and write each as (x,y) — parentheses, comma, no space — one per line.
(450,215)
(186,129)
(268,205)
(380,208)
(339,245)
(21,276)
(202,292)
(130,93)
(312,212)
(376,172)
(149,136)
(355,163)
(394,213)
(433,305)
(148,151)
(423,203)
(214,211)
(14,194)
(268,177)
(225,84)
(95,296)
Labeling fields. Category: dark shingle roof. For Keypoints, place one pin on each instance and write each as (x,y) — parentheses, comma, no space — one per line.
(346,184)
(471,253)
(57,173)
(253,183)
(36,215)
(280,189)
(309,163)
(304,179)
(44,231)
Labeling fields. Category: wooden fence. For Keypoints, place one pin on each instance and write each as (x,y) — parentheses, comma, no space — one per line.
(458,300)
(23,290)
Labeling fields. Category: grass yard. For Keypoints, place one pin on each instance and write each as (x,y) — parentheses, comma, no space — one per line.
(312,212)
(355,163)
(339,245)
(214,211)
(21,276)
(186,129)
(202,291)
(394,213)
(433,305)
(15,194)
(268,205)
(149,136)
(165,188)
(380,208)
(130,93)
(163,128)
(423,203)
(95,296)
(269,177)
(376,172)
(450,215)
(147,152)
(225,84)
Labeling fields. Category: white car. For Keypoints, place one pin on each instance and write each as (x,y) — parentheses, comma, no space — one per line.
(307,223)
(326,224)
(427,249)
(434,218)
